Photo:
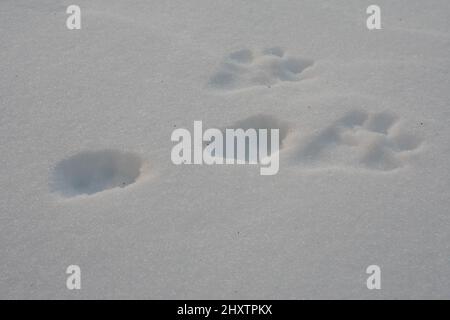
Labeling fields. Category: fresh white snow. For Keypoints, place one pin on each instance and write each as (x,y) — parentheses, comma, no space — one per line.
(87,179)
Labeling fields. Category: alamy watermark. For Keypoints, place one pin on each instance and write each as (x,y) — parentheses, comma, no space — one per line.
(374,280)
(229,146)
(73,281)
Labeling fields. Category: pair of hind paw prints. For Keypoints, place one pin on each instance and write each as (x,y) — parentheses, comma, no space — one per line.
(244,69)
(359,139)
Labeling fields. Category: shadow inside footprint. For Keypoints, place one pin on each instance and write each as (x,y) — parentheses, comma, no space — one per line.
(95,171)
(352,119)
(241,56)
(381,122)
(377,157)
(331,136)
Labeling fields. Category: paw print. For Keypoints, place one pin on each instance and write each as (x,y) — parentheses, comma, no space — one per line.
(243,69)
(361,140)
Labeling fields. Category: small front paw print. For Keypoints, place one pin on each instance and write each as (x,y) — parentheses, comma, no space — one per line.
(244,69)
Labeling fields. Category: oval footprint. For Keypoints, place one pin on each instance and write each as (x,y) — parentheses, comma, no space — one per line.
(91,172)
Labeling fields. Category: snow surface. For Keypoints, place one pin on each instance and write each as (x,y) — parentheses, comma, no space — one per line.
(86,175)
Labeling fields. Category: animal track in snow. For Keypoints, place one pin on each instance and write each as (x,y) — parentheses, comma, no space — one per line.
(258,122)
(95,171)
(360,139)
(243,69)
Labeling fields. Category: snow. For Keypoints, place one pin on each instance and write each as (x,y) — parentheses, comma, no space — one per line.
(364,170)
